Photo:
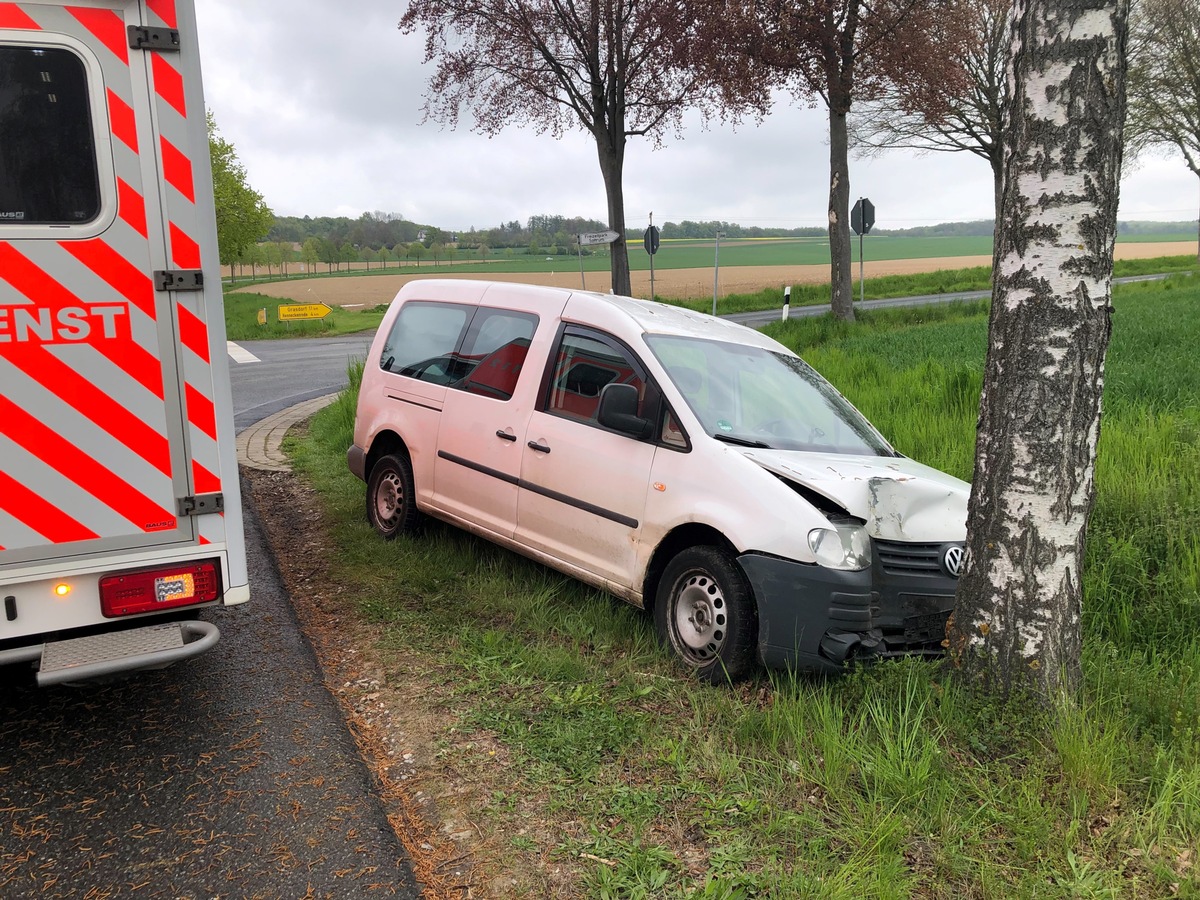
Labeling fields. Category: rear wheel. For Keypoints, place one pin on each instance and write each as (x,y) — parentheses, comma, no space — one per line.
(705,612)
(391,497)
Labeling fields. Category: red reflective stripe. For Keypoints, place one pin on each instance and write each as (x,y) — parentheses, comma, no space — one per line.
(201,412)
(47,520)
(204,481)
(168,83)
(165,10)
(184,250)
(124,123)
(107,27)
(177,169)
(132,207)
(72,463)
(12,16)
(193,332)
(132,283)
(73,389)
(137,362)
(30,280)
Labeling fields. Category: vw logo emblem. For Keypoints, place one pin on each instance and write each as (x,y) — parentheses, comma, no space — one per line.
(952,559)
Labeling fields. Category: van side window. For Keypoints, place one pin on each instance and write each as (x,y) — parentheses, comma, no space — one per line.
(423,341)
(48,172)
(496,345)
(480,350)
(582,366)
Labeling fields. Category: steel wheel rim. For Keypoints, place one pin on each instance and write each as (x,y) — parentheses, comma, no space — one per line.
(389,498)
(700,616)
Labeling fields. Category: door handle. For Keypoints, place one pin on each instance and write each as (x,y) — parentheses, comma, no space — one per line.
(540,448)
(504,435)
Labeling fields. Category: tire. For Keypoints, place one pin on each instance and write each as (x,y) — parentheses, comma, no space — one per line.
(392,497)
(705,613)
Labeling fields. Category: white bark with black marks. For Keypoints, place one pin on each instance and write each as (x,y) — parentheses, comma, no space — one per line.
(1017,623)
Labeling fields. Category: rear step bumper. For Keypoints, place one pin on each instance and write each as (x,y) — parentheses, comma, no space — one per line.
(101,655)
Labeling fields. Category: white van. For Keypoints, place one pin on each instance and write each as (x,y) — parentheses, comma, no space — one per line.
(682,462)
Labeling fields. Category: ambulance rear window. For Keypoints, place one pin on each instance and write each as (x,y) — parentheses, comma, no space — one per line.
(47,152)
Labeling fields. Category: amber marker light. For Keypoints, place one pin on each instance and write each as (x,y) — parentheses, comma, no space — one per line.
(659,486)
(62,589)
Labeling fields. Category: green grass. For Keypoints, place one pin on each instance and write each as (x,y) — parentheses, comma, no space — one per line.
(892,781)
(242,310)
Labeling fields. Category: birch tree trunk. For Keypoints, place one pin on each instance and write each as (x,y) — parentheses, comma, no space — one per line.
(1016,625)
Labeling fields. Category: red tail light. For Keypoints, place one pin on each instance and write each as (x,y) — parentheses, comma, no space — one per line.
(166,587)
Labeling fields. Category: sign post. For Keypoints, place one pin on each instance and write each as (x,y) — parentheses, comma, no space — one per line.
(650,242)
(862,217)
(588,240)
(716,268)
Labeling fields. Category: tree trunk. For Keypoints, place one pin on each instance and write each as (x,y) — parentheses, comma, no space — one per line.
(841,290)
(612,164)
(1016,626)
(998,199)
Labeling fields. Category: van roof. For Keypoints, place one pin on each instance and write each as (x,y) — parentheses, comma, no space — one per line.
(662,318)
(650,316)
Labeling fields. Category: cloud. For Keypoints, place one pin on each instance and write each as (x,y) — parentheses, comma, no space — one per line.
(323,104)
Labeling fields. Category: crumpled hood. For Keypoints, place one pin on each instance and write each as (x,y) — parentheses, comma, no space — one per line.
(898,498)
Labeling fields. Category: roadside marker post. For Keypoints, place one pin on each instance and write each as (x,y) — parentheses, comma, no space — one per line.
(787,301)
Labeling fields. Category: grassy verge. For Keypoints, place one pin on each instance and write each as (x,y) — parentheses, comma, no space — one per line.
(242,310)
(891,782)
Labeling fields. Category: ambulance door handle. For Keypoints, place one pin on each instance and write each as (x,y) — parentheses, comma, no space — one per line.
(540,448)
(504,435)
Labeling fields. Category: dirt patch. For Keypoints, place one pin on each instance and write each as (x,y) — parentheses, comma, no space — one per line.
(351,290)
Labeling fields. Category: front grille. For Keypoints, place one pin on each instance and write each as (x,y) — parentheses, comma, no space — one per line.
(899,558)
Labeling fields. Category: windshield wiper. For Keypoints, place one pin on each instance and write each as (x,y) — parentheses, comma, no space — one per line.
(741,441)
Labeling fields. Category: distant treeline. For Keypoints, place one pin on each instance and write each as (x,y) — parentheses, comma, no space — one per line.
(556,234)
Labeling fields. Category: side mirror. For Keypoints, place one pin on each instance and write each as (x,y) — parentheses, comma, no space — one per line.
(618,411)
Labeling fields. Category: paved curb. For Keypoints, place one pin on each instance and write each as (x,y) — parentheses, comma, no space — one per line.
(261,445)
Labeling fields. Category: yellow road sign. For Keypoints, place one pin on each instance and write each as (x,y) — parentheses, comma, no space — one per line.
(303,311)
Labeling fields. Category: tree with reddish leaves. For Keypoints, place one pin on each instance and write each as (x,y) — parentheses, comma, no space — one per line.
(842,51)
(615,68)
(955,114)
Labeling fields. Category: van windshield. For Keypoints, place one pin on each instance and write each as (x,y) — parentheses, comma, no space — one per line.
(755,397)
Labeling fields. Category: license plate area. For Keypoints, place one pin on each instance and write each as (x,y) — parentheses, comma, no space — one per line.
(925,628)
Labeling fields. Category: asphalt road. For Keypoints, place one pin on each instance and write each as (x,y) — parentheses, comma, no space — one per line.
(288,372)
(231,775)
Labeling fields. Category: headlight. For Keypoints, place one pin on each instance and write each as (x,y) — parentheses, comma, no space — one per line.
(841,547)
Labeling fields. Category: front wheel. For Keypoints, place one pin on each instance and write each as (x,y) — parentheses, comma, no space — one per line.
(705,612)
(391,497)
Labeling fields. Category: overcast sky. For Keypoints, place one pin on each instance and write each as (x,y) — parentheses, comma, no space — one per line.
(322,101)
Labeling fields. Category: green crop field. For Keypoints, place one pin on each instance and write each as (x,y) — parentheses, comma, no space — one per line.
(593,757)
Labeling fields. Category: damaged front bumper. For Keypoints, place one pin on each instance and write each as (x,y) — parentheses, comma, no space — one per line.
(816,619)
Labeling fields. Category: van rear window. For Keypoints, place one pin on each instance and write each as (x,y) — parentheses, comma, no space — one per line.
(47,152)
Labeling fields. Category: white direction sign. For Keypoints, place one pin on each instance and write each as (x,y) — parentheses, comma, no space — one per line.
(597,237)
